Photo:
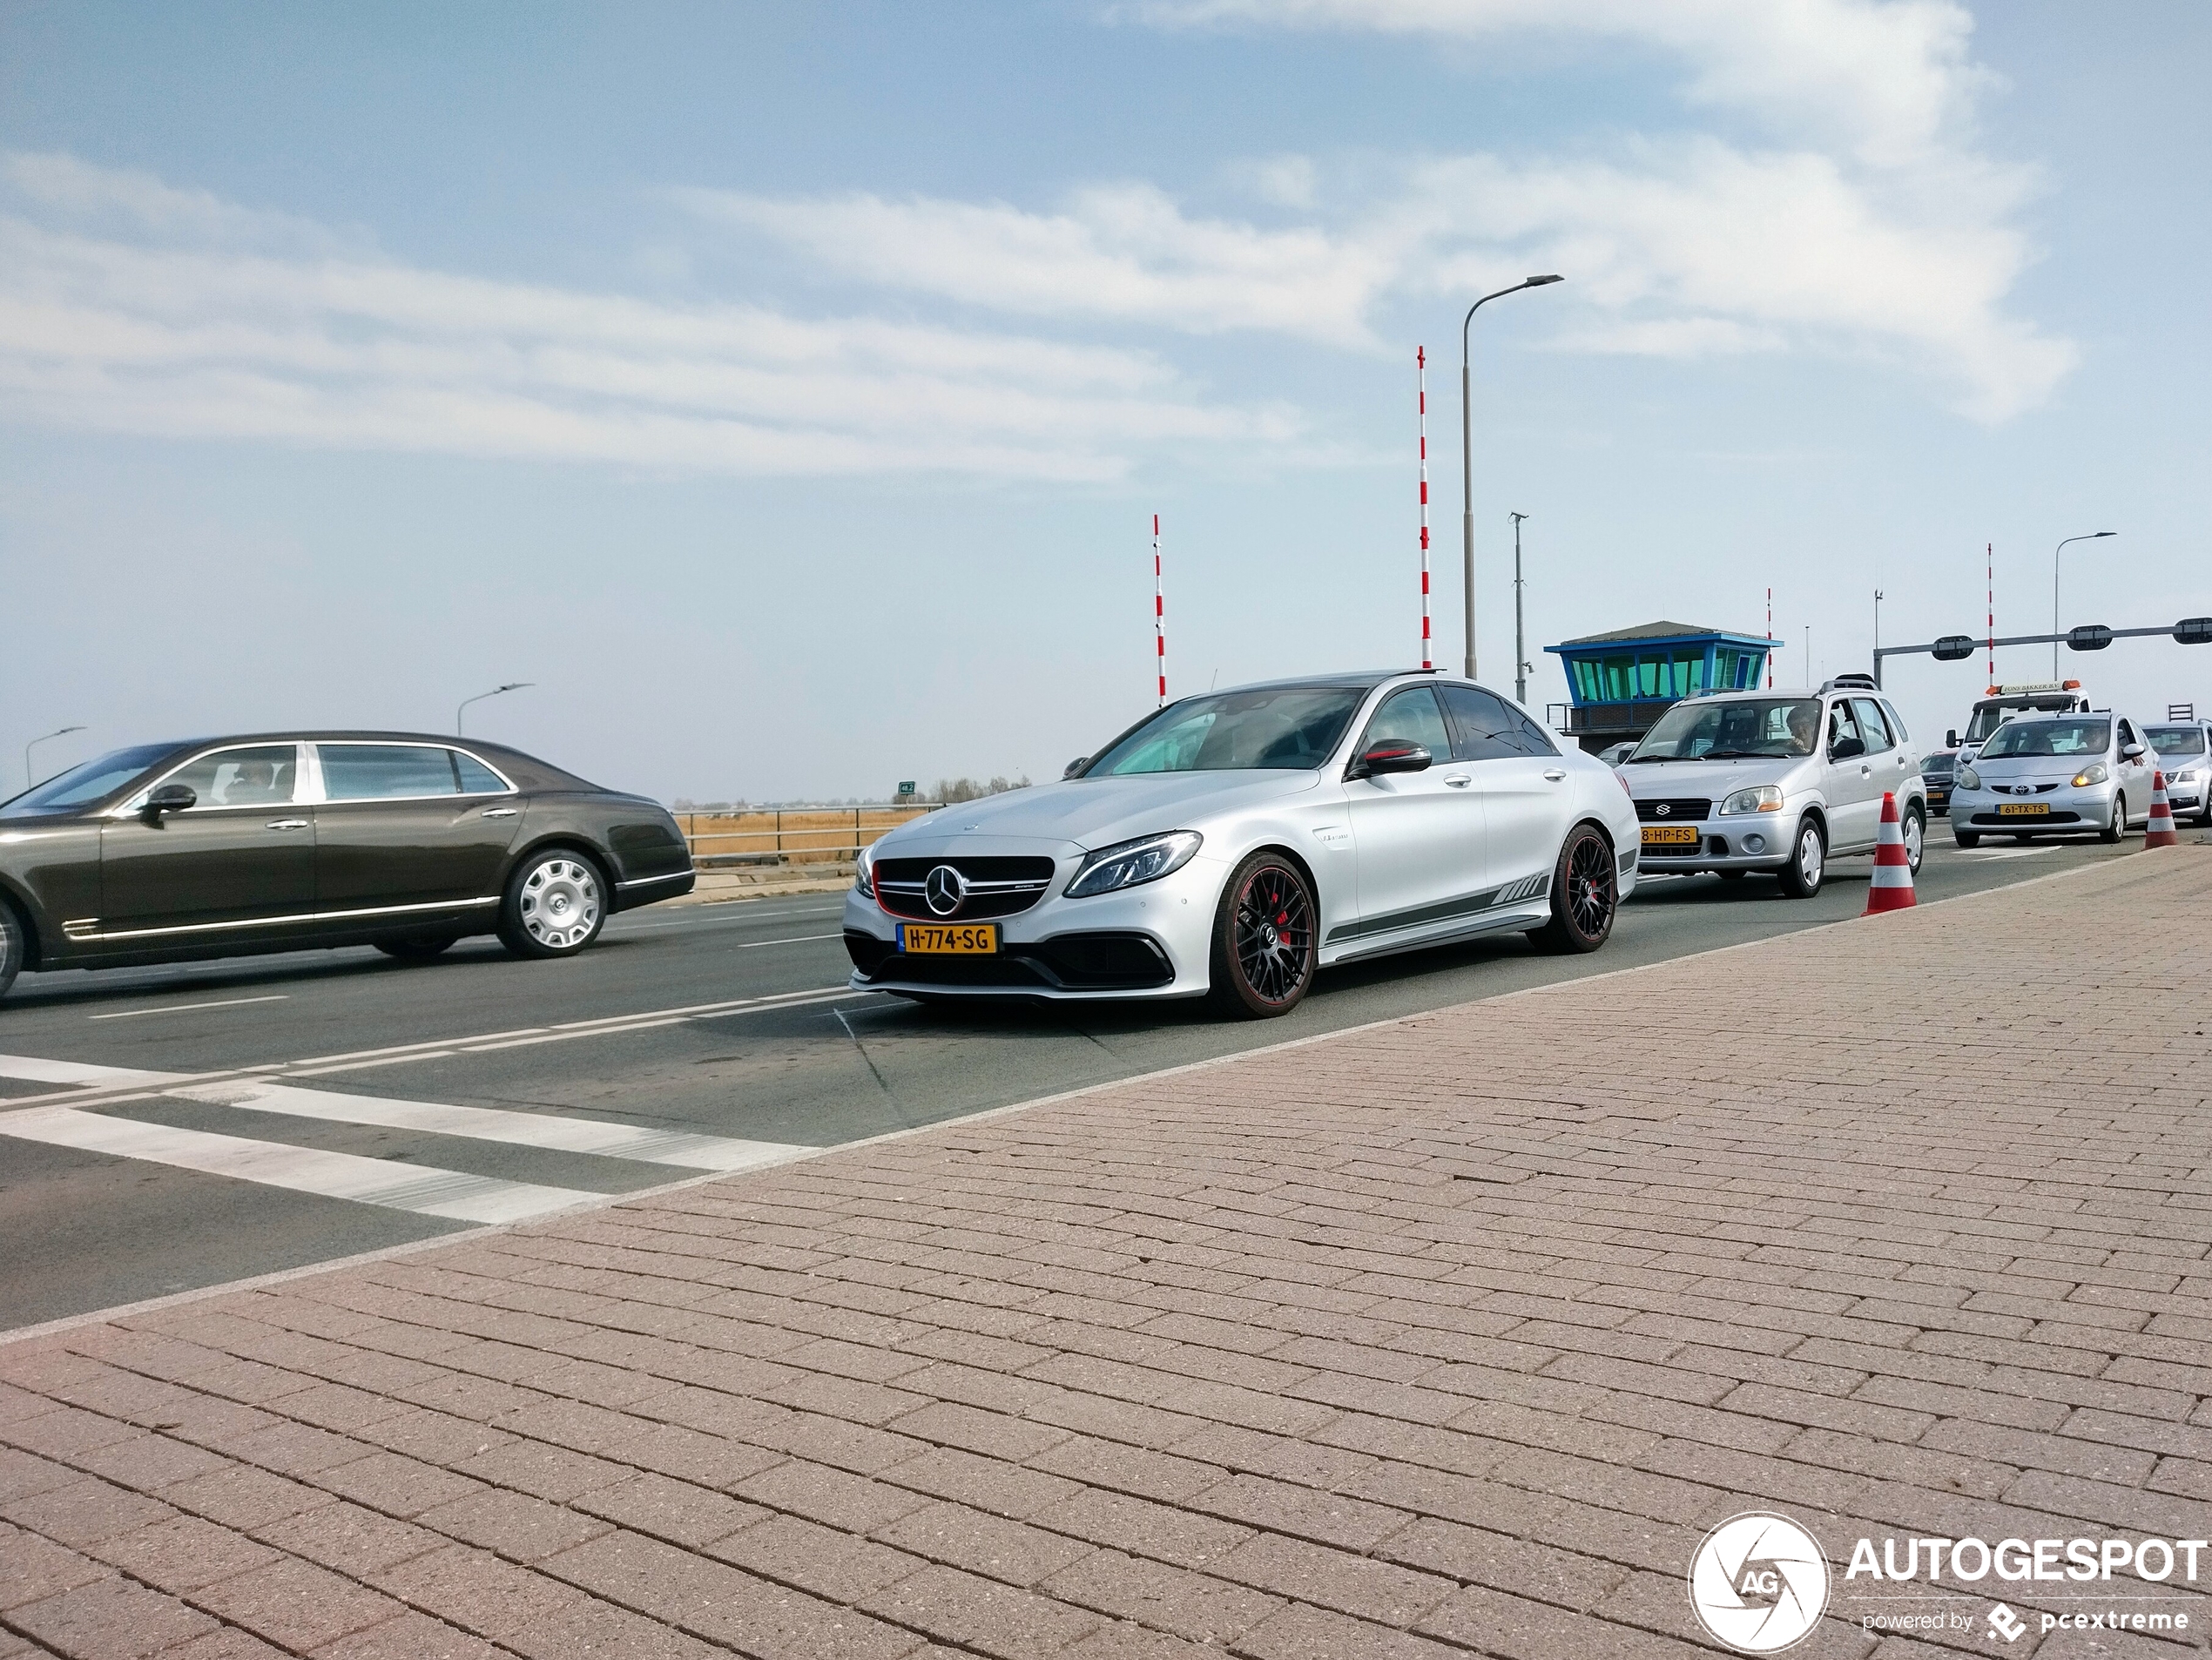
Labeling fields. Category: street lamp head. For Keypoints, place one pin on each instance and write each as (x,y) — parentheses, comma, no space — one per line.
(517,686)
(1538,282)
(2104,533)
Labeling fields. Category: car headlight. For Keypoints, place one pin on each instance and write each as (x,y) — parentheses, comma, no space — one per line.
(2188,777)
(1968,779)
(864,873)
(1762,798)
(1127,864)
(2093,773)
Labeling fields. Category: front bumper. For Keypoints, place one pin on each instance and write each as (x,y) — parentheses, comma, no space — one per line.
(1739,841)
(1152,941)
(2069,812)
(2187,797)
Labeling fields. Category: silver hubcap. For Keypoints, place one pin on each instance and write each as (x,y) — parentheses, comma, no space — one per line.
(1809,856)
(560,903)
(1912,839)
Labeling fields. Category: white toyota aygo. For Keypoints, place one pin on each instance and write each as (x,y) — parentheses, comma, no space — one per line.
(1231,845)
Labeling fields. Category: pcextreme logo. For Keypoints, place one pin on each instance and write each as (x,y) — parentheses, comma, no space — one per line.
(1759,1582)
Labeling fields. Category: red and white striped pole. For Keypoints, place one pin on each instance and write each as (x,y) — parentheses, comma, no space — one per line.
(1420,362)
(1159,615)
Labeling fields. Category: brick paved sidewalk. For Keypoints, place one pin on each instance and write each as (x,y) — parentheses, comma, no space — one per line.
(1451,1335)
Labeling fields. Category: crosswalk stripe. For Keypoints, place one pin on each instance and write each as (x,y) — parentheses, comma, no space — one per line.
(336,1175)
(33,1069)
(540,1130)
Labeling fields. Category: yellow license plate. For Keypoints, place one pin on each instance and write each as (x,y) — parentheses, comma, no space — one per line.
(1670,835)
(961,940)
(2023,810)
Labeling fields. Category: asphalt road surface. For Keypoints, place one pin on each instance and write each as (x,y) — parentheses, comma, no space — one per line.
(163,1129)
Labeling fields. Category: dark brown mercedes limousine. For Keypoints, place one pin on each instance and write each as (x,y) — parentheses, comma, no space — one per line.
(283,841)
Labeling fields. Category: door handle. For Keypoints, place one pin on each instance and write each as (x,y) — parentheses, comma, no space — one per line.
(1866,772)
(287,824)
(499,812)
(1554,773)
(1458,780)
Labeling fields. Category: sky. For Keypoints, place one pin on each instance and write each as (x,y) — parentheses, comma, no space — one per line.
(785,392)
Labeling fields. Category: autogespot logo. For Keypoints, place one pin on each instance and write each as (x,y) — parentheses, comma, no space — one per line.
(1759,1582)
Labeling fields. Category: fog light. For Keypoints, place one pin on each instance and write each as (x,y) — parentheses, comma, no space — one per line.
(1755,844)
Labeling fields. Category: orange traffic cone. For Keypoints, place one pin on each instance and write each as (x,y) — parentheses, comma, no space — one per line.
(2160,832)
(1892,889)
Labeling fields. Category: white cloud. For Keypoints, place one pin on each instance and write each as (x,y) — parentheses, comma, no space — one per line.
(180,314)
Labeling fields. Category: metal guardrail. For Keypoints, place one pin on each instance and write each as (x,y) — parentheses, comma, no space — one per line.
(824,835)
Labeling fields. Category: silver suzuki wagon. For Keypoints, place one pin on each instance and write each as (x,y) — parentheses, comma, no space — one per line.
(1775,781)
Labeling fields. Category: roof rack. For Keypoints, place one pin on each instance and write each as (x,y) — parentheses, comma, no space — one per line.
(1850,682)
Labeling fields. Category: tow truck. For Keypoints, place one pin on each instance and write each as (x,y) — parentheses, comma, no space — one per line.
(2025,697)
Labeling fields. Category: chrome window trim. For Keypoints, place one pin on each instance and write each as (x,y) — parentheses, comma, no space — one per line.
(71,929)
(136,804)
(323,799)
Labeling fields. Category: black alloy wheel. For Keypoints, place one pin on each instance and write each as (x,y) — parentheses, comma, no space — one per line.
(1586,895)
(1265,948)
(418,949)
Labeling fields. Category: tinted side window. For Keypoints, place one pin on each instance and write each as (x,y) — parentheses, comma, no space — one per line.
(1873,725)
(2127,735)
(1842,724)
(386,772)
(1409,716)
(1488,730)
(1897,723)
(1534,737)
(476,779)
(260,776)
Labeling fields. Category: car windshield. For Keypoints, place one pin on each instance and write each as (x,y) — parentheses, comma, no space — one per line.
(2177,740)
(1988,717)
(2049,737)
(1938,765)
(82,785)
(1698,730)
(1291,727)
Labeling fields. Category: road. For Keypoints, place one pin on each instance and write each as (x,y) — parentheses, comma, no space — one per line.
(163,1129)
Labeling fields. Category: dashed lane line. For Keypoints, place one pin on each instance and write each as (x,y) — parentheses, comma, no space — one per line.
(186,1008)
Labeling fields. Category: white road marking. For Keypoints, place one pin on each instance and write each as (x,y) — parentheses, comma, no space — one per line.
(334,1175)
(2005,853)
(804,938)
(495,1123)
(81,1073)
(179,1009)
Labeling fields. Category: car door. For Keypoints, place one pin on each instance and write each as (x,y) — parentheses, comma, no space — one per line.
(1885,753)
(1522,784)
(408,825)
(1417,837)
(239,861)
(1854,798)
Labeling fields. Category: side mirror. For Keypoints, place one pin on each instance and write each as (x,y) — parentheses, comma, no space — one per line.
(1845,749)
(1951,739)
(1074,767)
(172,798)
(1392,756)
(2131,751)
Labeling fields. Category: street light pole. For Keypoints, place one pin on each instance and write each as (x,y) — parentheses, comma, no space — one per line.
(2092,536)
(1467,455)
(1520,639)
(512,685)
(28,781)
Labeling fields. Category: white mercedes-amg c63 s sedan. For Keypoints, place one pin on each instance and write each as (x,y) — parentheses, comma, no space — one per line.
(1231,845)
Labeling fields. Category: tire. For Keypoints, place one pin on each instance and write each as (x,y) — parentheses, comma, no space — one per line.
(2118,828)
(14,945)
(1586,895)
(416,950)
(1731,875)
(554,904)
(1915,830)
(1967,837)
(1808,865)
(1266,940)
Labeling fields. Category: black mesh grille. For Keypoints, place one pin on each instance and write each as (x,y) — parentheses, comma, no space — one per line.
(1681,810)
(2018,822)
(1074,961)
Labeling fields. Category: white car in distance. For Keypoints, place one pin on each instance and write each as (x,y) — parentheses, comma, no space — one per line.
(1231,845)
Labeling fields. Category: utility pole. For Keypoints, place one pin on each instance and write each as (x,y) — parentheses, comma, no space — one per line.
(1519,637)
